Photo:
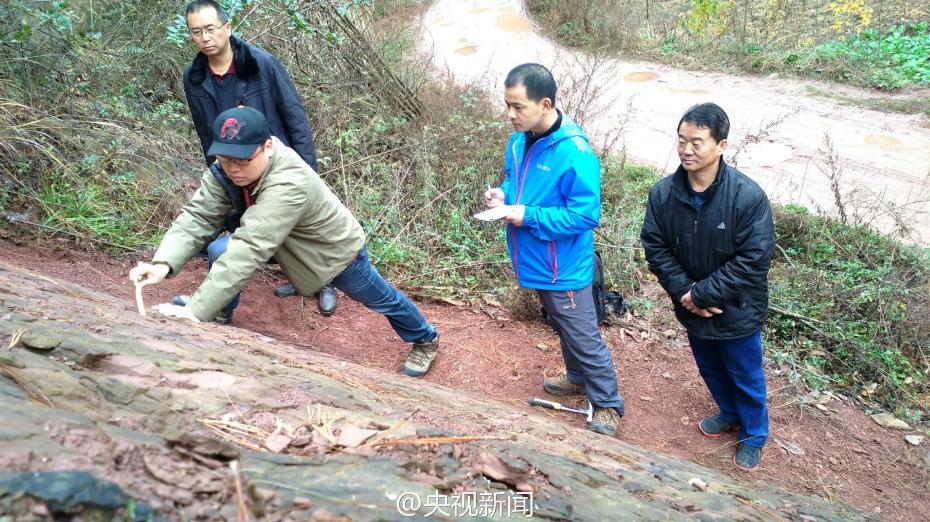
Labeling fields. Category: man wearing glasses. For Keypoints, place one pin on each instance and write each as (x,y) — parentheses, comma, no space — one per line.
(289,213)
(229,72)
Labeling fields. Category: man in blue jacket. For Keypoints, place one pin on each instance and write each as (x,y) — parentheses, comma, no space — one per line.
(553,187)
(708,237)
(229,72)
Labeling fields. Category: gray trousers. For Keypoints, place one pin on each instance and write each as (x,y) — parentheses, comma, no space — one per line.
(586,355)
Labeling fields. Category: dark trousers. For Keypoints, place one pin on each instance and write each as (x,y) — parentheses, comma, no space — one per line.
(586,356)
(362,282)
(732,370)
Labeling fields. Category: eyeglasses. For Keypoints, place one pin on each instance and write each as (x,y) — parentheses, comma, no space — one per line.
(198,33)
(225,160)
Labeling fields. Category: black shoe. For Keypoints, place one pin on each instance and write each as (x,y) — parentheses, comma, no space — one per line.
(287,290)
(327,300)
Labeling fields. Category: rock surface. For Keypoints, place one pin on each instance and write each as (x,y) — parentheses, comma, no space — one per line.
(176,414)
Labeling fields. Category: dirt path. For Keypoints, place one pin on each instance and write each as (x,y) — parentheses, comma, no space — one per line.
(884,158)
(845,456)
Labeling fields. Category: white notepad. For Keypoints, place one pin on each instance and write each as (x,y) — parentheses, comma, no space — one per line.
(494,213)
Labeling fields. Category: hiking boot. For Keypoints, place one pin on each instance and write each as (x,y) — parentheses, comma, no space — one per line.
(560,385)
(605,421)
(714,426)
(421,358)
(224,317)
(747,457)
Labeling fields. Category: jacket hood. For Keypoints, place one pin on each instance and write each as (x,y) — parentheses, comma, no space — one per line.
(246,65)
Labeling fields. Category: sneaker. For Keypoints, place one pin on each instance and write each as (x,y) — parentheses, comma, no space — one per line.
(605,421)
(714,426)
(421,358)
(747,457)
(224,317)
(560,385)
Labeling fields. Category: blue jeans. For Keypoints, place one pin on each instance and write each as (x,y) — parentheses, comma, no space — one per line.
(732,370)
(362,282)
(214,250)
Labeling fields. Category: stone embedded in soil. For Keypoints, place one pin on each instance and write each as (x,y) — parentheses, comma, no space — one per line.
(888,420)
(40,342)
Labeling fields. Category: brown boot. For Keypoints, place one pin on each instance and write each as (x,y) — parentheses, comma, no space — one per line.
(560,385)
(605,421)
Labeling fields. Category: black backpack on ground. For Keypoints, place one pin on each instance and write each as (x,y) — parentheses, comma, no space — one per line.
(605,303)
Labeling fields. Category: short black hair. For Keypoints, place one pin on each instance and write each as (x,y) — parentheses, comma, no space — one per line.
(197,5)
(537,79)
(708,116)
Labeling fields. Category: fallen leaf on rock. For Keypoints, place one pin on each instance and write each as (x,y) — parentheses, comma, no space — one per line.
(914,440)
(301,441)
(277,441)
(542,347)
(352,437)
(203,445)
(698,484)
(888,420)
(492,466)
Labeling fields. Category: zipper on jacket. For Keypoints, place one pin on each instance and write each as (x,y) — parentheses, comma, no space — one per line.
(518,193)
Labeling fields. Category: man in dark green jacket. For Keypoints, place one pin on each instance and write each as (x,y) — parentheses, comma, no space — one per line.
(290,214)
(708,237)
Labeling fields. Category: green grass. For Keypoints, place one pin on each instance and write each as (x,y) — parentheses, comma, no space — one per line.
(855,308)
(886,60)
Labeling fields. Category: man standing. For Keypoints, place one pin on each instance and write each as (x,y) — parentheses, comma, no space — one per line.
(553,185)
(226,73)
(708,236)
(291,214)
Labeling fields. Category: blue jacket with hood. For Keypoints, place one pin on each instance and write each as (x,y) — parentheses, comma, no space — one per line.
(559,181)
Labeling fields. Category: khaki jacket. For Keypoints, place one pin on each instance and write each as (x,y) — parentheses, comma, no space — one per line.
(295,218)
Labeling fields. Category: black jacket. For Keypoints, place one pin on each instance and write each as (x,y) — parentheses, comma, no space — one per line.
(722,252)
(262,84)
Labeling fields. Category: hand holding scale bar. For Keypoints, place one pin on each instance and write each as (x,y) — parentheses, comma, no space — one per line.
(589,413)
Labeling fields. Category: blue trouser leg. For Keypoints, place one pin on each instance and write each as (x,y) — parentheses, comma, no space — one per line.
(362,282)
(732,371)
(214,250)
(587,357)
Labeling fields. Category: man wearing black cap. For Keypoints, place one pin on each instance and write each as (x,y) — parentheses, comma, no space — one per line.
(289,213)
(228,72)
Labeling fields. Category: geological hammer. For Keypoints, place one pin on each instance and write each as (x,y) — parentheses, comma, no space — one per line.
(589,413)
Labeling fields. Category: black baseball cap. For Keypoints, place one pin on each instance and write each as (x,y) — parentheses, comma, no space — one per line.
(238,132)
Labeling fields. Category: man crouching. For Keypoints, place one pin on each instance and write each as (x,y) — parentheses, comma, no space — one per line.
(290,214)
